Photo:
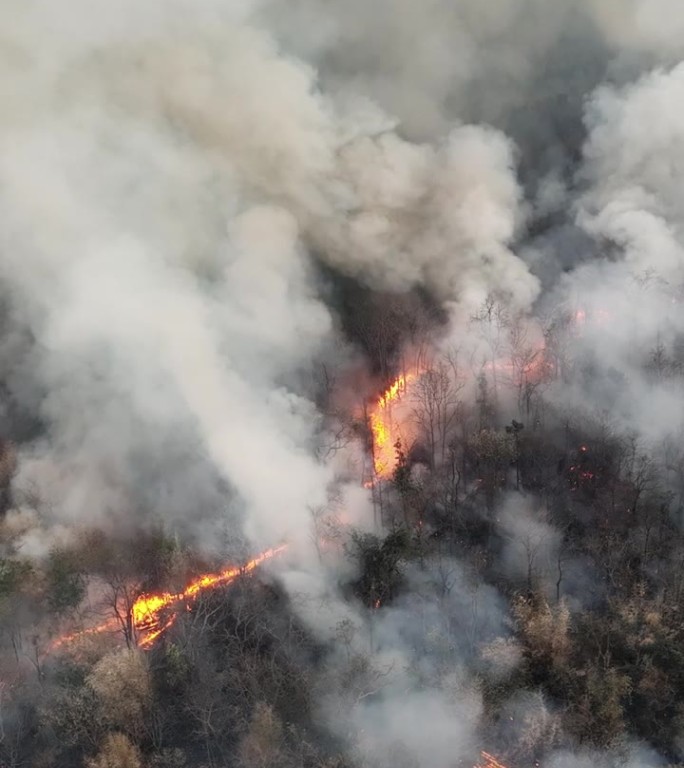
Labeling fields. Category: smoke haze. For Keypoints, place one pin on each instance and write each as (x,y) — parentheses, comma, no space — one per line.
(183,186)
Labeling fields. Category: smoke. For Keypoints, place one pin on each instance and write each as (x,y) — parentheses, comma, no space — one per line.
(167,179)
(629,205)
(165,314)
(173,176)
(530,544)
(632,756)
(429,64)
(422,728)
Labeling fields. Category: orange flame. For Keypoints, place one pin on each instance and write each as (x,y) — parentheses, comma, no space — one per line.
(146,612)
(386,430)
(107,626)
(582,317)
(489,761)
(391,420)
(533,370)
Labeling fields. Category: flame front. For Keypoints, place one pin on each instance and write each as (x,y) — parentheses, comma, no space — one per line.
(489,761)
(146,612)
(385,429)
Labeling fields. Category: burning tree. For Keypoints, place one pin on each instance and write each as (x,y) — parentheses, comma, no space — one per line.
(387,426)
(436,397)
(489,761)
(143,618)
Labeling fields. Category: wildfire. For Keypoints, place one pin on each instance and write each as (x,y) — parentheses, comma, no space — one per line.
(147,611)
(489,761)
(107,626)
(534,368)
(391,417)
(582,474)
(582,317)
(386,429)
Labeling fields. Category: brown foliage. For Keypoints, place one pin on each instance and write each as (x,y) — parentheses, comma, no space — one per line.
(545,630)
(262,745)
(117,751)
(122,684)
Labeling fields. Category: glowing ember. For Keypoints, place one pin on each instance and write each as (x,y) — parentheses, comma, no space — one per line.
(533,368)
(146,613)
(489,761)
(581,475)
(107,626)
(147,608)
(386,429)
(596,316)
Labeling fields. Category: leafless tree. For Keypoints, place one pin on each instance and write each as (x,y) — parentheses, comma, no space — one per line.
(528,368)
(437,398)
(492,321)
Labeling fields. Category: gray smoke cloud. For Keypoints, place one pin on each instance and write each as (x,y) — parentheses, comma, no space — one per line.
(631,301)
(163,179)
(172,178)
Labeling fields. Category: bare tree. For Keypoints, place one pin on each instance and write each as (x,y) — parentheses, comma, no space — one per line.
(528,368)
(437,397)
(492,321)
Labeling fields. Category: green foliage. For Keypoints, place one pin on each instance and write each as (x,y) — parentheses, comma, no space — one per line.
(402,471)
(380,561)
(65,583)
(174,668)
(12,574)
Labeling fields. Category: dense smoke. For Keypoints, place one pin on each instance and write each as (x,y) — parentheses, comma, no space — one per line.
(184,187)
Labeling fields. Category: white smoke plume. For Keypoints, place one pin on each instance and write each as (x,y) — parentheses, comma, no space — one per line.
(630,205)
(162,180)
(173,178)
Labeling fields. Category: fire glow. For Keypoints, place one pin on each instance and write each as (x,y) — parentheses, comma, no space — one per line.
(147,609)
(489,761)
(146,614)
(386,430)
(392,419)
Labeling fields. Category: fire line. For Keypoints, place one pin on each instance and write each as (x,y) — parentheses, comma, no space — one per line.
(146,612)
(489,761)
(385,429)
